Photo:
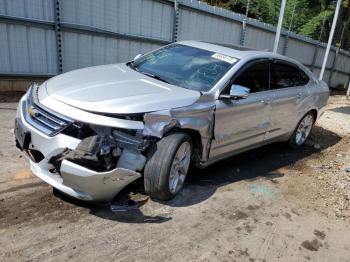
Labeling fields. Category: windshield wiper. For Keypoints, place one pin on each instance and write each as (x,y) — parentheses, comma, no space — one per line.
(154,76)
(131,64)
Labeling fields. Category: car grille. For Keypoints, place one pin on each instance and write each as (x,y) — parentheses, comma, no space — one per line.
(43,120)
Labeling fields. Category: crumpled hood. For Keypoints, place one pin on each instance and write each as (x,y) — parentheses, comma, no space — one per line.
(116,89)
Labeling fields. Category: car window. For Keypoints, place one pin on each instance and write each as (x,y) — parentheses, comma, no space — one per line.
(284,76)
(185,66)
(255,77)
(303,78)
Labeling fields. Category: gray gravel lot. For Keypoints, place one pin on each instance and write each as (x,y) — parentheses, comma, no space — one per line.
(270,204)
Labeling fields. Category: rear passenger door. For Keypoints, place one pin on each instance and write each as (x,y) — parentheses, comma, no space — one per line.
(289,85)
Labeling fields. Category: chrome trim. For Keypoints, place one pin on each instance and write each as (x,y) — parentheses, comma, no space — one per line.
(39,118)
(56,120)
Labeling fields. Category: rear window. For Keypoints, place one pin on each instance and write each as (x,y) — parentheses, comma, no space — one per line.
(303,78)
(284,76)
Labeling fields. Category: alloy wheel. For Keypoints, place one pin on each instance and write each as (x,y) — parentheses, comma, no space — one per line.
(304,129)
(179,167)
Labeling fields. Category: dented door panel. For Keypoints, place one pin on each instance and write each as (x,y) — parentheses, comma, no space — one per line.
(240,123)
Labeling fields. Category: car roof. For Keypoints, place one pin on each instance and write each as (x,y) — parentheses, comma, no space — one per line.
(242,53)
(236,53)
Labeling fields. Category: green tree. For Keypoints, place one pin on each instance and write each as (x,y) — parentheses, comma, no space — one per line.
(313,27)
(263,10)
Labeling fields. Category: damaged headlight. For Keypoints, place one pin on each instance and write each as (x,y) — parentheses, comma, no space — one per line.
(132,117)
(132,142)
(106,148)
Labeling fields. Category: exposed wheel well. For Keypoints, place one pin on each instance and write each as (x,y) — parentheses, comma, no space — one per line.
(196,142)
(314,112)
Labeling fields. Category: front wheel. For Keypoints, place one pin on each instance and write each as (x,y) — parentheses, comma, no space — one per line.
(302,130)
(167,166)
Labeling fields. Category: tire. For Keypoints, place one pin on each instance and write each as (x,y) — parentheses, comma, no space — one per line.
(302,130)
(162,166)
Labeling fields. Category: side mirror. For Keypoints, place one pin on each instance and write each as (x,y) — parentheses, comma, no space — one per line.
(137,57)
(237,92)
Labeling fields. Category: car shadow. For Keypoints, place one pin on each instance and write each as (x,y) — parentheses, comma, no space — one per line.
(342,109)
(263,163)
(201,184)
(103,210)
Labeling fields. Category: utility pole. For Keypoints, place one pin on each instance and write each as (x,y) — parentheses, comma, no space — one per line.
(330,39)
(279,26)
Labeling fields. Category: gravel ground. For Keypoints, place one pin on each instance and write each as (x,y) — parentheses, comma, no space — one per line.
(270,204)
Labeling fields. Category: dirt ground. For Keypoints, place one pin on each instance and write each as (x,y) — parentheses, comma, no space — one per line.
(270,204)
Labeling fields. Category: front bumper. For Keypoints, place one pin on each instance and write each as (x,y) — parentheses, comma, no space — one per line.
(74,180)
(86,184)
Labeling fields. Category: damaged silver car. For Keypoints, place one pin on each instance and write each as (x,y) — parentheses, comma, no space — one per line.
(92,131)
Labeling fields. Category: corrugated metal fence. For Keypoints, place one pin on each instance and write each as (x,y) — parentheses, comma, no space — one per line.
(47,37)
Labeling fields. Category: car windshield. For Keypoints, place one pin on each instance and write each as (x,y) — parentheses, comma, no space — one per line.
(185,66)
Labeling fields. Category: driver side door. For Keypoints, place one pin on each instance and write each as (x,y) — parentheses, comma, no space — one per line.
(241,124)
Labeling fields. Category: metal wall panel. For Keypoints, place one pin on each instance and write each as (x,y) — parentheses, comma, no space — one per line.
(325,76)
(301,51)
(320,55)
(27,50)
(35,9)
(82,50)
(338,79)
(146,18)
(195,25)
(259,39)
(343,63)
(31,48)
(280,44)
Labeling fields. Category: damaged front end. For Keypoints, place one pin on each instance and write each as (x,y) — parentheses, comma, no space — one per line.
(104,162)
(84,160)
(197,120)
(107,159)
(90,161)
(107,149)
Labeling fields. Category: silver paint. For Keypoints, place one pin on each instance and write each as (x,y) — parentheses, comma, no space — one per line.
(199,117)
(100,186)
(116,89)
(179,168)
(304,129)
(223,126)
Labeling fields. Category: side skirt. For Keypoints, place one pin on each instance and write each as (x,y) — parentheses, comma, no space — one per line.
(211,161)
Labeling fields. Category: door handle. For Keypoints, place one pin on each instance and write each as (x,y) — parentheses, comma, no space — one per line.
(265,101)
(299,95)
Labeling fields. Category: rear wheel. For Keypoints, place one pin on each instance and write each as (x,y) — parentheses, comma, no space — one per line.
(167,166)
(302,131)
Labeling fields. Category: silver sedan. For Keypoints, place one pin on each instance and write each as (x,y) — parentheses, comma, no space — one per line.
(92,131)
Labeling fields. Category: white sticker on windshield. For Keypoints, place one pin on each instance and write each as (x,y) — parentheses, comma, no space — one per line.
(225,58)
